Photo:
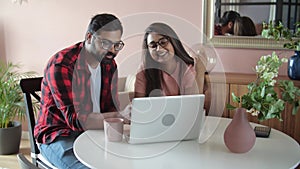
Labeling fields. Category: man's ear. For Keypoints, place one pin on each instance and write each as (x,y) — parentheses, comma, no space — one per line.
(230,24)
(88,37)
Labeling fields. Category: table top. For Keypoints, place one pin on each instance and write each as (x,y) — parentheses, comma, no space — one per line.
(209,151)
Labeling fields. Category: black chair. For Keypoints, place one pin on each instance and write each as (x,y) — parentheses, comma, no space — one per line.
(31,87)
(24,163)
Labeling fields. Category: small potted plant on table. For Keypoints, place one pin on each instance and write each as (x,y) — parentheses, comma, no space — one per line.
(262,101)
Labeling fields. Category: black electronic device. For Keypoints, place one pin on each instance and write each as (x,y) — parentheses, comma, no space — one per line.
(261,131)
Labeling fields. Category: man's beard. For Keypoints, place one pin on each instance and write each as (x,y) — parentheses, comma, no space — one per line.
(231,31)
(103,57)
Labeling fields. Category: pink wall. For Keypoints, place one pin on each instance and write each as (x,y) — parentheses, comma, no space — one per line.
(244,60)
(32,32)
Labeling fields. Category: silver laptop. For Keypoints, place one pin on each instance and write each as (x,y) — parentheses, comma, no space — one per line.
(167,118)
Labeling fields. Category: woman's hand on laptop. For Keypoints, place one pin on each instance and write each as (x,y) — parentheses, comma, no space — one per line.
(126,114)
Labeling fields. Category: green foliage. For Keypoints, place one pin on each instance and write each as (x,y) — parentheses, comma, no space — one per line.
(278,31)
(11,96)
(262,100)
(290,94)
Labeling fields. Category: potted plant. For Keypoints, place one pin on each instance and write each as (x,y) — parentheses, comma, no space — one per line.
(292,41)
(12,107)
(262,101)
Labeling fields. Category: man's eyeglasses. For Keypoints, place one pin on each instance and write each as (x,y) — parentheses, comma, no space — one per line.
(163,42)
(107,44)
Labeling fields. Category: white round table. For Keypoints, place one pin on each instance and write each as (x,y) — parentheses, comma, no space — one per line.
(278,151)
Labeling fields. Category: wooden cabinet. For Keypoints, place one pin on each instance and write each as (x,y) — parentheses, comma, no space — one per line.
(219,87)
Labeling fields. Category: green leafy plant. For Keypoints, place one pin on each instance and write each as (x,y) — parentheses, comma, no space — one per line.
(279,31)
(11,96)
(262,100)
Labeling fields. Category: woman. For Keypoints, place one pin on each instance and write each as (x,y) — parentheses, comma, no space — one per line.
(244,26)
(167,68)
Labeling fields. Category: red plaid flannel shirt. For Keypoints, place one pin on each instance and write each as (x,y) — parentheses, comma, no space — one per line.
(66,94)
(218,30)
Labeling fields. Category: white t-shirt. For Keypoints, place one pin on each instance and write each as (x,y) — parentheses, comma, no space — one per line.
(95,87)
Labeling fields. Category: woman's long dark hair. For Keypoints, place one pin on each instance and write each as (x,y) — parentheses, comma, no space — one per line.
(244,26)
(153,73)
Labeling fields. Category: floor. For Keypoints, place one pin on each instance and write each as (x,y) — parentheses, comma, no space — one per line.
(10,161)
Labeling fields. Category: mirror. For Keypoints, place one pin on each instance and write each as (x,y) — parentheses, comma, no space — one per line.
(257,42)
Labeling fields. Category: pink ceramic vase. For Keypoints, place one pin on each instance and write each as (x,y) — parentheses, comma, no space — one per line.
(239,136)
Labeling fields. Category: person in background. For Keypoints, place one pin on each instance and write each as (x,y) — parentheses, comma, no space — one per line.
(167,68)
(79,90)
(225,27)
(244,26)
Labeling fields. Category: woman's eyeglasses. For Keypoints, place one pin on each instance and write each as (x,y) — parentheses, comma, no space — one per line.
(107,44)
(163,42)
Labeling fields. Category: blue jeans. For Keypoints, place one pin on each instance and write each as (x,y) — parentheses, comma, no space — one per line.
(60,153)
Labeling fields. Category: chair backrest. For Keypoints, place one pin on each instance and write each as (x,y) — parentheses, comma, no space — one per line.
(31,87)
(24,163)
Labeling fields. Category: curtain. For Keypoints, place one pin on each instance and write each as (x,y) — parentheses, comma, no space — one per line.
(272,11)
(230,7)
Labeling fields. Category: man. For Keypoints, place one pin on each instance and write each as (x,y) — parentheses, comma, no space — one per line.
(79,90)
(225,27)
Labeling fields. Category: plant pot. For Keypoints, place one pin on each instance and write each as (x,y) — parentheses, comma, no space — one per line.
(294,66)
(239,136)
(10,139)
